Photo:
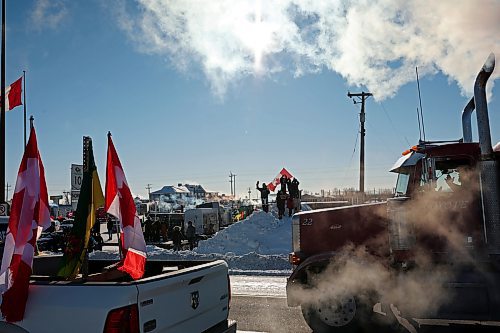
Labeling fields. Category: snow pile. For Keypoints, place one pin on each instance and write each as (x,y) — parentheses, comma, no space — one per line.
(261,233)
(256,245)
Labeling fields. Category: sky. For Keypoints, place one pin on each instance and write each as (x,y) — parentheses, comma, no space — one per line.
(193,90)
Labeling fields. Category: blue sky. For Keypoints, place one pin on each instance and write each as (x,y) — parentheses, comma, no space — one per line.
(191,92)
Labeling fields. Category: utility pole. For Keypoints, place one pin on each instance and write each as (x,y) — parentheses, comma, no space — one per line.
(249,192)
(234,186)
(148,187)
(7,189)
(231,181)
(361,97)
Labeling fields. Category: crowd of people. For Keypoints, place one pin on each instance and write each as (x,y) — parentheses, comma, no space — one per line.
(284,198)
(156,231)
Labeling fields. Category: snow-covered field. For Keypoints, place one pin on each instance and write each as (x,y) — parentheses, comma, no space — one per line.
(258,245)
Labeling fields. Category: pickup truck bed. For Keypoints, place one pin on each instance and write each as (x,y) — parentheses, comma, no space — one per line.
(173,296)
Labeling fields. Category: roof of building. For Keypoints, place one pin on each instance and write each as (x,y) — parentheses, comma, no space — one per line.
(169,189)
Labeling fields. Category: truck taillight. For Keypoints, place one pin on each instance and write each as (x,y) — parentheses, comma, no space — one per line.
(294,259)
(123,320)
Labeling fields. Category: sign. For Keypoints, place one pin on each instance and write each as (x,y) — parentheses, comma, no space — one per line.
(76,177)
(75,195)
(3,209)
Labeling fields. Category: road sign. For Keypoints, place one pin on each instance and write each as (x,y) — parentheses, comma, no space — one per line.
(3,209)
(75,195)
(76,177)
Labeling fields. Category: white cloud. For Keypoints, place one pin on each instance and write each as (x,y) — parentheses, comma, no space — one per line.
(372,43)
(48,14)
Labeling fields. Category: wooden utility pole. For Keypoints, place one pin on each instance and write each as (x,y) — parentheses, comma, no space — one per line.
(231,181)
(361,98)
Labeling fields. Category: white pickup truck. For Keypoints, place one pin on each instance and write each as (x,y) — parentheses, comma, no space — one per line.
(184,297)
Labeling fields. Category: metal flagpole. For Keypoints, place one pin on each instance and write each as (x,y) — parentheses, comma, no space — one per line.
(24,104)
(2,112)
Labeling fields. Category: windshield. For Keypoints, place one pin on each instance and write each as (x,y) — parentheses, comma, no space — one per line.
(402,184)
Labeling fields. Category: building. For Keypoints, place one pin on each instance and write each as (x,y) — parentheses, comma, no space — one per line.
(170,193)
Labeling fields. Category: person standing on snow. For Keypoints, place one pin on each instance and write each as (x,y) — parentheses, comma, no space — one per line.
(109,226)
(191,235)
(177,238)
(293,187)
(264,194)
(280,203)
(283,182)
(289,205)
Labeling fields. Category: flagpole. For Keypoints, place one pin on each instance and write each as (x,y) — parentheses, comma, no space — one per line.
(24,104)
(2,112)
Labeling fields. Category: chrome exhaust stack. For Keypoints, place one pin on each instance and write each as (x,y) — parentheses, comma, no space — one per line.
(466,120)
(490,179)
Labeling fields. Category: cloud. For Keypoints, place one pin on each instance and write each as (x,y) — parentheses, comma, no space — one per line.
(376,43)
(48,14)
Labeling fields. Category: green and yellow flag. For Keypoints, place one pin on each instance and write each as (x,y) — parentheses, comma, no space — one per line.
(91,199)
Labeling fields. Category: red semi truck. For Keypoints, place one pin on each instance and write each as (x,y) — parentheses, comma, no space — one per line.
(428,256)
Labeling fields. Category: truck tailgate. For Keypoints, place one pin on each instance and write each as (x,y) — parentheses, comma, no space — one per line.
(70,307)
(193,300)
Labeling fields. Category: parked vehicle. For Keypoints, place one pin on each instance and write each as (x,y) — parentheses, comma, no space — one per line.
(182,296)
(205,220)
(439,235)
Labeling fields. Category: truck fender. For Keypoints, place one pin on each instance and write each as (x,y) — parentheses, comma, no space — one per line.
(298,279)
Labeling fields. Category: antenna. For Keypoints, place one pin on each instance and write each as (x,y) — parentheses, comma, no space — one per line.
(419,127)
(420,102)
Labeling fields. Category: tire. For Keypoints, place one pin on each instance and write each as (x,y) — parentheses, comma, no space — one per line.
(346,316)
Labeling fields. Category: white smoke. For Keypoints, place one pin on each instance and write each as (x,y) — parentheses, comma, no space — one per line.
(372,43)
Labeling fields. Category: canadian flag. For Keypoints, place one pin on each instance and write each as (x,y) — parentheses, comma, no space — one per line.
(28,217)
(119,203)
(13,94)
(276,181)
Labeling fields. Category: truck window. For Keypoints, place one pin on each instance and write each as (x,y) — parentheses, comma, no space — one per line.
(450,174)
(402,184)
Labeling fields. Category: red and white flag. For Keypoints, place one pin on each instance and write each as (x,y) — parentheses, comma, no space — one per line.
(28,217)
(276,181)
(119,203)
(13,94)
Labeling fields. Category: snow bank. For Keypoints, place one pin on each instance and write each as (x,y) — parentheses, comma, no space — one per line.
(257,245)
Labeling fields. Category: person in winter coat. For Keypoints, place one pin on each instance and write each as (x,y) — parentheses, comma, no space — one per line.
(289,205)
(264,194)
(293,187)
(283,182)
(280,203)
(109,225)
(191,235)
(177,238)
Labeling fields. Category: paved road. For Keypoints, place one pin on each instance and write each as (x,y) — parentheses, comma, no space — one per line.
(266,314)
(259,305)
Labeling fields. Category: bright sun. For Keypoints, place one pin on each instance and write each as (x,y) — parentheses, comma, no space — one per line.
(256,35)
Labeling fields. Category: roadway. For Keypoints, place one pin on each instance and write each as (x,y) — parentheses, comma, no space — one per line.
(259,305)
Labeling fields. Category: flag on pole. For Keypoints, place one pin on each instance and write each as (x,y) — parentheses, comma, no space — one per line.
(272,185)
(29,216)
(90,200)
(13,94)
(119,203)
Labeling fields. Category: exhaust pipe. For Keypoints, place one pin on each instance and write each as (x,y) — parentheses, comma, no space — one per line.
(466,120)
(490,180)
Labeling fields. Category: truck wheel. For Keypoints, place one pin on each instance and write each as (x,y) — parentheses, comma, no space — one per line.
(343,316)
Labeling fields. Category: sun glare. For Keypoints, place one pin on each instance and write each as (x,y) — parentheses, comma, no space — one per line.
(256,36)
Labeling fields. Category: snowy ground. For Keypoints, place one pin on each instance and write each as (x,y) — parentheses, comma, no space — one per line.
(258,245)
